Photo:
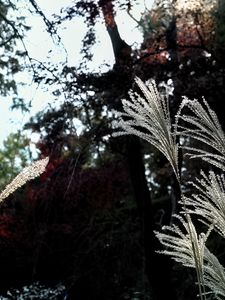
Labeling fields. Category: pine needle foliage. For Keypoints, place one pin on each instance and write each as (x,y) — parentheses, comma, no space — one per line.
(147,116)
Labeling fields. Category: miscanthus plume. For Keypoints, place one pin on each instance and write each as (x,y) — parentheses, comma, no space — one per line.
(146,114)
(27,174)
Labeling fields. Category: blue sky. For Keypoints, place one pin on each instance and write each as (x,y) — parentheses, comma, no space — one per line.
(38,44)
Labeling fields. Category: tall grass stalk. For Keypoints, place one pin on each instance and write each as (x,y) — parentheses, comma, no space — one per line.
(147,116)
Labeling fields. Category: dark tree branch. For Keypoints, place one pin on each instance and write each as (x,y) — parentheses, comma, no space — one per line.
(122,51)
(17,34)
(182,47)
(48,24)
(150,54)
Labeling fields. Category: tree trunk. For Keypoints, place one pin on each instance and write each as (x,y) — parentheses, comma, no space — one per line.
(157,267)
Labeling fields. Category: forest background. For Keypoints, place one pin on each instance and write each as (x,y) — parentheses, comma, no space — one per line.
(87,223)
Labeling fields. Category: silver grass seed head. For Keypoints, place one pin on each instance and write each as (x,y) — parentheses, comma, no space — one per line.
(27,174)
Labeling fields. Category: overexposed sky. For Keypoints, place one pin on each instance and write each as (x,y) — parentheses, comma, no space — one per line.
(38,44)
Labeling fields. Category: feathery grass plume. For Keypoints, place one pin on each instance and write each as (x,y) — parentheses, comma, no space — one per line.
(178,242)
(203,126)
(27,174)
(186,247)
(148,117)
(214,275)
(209,201)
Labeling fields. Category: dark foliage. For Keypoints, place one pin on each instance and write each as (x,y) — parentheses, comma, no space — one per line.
(73,224)
(89,219)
